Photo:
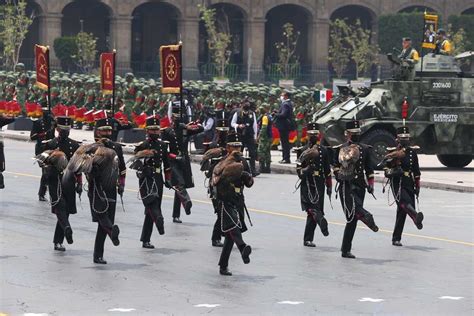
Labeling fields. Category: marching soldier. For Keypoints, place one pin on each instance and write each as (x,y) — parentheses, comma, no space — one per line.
(42,130)
(181,174)
(229,178)
(4,120)
(151,162)
(106,178)
(315,173)
(351,160)
(403,174)
(62,184)
(210,159)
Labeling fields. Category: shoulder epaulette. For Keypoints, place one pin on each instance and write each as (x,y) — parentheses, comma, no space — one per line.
(415,147)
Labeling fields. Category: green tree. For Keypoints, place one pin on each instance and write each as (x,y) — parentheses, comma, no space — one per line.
(65,47)
(218,39)
(339,52)
(14,24)
(466,23)
(287,59)
(364,53)
(86,51)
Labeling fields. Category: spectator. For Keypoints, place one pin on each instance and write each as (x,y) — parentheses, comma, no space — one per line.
(284,122)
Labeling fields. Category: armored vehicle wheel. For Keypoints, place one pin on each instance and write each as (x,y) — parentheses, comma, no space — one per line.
(455,161)
(379,139)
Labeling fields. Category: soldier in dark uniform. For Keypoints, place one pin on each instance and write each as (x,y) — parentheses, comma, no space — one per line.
(4,120)
(230,200)
(42,130)
(153,164)
(62,188)
(215,152)
(244,122)
(181,174)
(351,160)
(103,210)
(403,173)
(315,173)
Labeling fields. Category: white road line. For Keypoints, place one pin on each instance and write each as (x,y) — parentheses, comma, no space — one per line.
(372,300)
(207,305)
(454,298)
(123,310)
(35,314)
(290,302)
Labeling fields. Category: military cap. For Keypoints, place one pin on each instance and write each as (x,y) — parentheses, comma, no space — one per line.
(233,139)
(312,128)
(103,124)
(441,31)
(406,39)
(353,126)
(153,122)
(403,132)
(64,122)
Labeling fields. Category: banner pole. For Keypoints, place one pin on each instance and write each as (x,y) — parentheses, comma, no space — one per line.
(182,106)
(49,81)
(113,83)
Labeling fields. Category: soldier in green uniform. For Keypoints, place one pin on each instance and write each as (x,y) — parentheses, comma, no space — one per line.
(265,137)
(130,92)
(21,85)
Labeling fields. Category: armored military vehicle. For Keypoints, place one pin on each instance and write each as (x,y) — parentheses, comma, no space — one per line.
(440,102)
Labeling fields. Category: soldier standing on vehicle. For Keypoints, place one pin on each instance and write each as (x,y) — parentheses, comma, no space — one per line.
(443,44)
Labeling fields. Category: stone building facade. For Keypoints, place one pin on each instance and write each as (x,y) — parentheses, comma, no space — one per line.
(136,28)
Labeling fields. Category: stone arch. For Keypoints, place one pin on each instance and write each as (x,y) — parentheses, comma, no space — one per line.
(148,17)
(417,8)
(352,12)
(308,6)
(91,16)
(301,18)
(469,11)
(241,5)
(233,16)
(35,10)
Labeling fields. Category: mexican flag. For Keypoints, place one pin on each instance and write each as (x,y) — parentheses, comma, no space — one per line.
(322,95)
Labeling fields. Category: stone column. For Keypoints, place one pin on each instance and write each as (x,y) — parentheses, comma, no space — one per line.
(254,30)
(188,31)
(50,29)
(319,47)
(121,40)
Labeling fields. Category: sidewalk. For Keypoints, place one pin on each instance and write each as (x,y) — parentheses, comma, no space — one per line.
(433,174)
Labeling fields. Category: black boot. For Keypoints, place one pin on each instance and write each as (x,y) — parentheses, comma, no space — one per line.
(322,222)
(246,254)
(187,207)
(368,220)
(397,243)
(177,220)
(348,255)
(309,243)
(217,243)
(68,234)
(160,226)
(41,198)
(419,220)
(59,247)
(2,183)
(114,235)
(148,245)
(99,260)
(225,271)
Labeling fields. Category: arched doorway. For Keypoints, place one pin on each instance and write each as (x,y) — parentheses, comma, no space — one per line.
(33,10)
(154,24)
(417,9)
(367,18)
(90,16)
(278,16)
(469,11)
(230,18)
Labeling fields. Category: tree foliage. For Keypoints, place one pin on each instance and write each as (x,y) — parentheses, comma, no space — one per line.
(14,24)
(86,51)
(287,49)
(392,27)
(351,42)
(65,47)
(219,39)
(339,52)
(466,23)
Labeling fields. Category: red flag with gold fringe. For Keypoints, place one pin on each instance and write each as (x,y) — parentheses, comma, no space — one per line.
(42,66)
(107,72)
(171,75)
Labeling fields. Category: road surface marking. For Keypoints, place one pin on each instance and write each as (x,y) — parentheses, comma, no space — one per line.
(207,305)
(291,302)
(465,243)
(35,314)
(123,310)
(372,300)
(454,298)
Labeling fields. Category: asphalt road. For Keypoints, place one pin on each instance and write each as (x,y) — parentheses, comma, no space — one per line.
(432,274)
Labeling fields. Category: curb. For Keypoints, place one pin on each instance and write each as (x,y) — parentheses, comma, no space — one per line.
(280,169)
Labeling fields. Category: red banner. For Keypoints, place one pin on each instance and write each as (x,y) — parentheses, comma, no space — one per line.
(107,72)
(42,66)
(170,61)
